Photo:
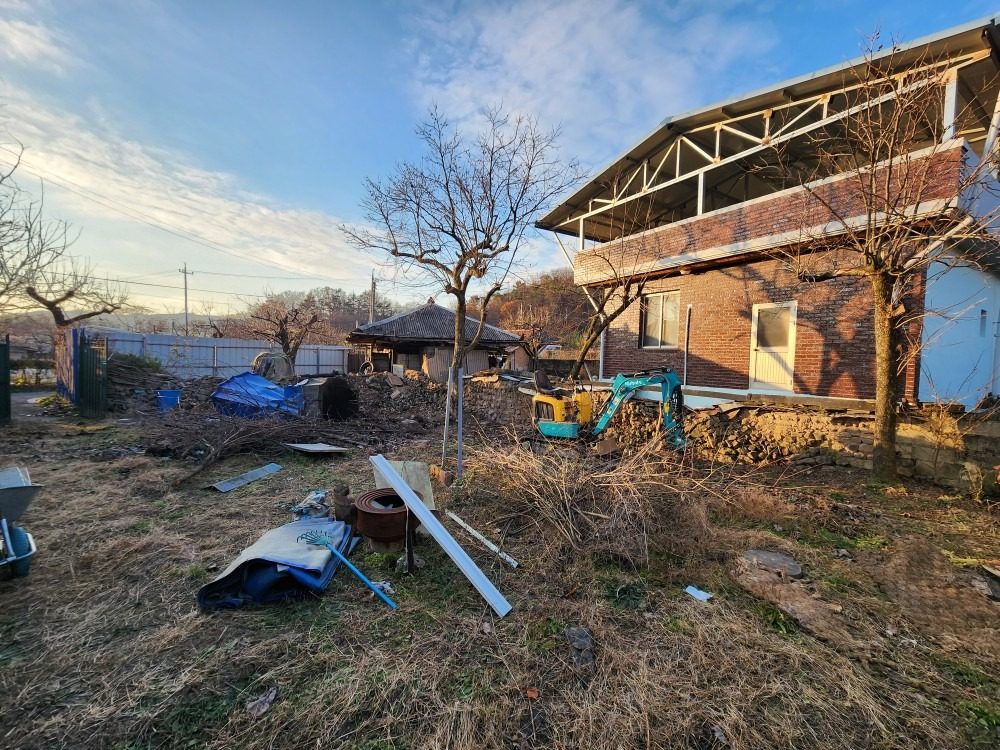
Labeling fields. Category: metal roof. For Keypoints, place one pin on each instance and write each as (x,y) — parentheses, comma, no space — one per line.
(432,324)
(974,35)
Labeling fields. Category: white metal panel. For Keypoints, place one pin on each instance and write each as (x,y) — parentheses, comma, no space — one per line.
(437,360)
(194,356)
(476,577)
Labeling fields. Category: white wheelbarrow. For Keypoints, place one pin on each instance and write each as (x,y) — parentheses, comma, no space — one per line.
(17,546)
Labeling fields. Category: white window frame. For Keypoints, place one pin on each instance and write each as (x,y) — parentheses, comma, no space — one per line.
(644,303)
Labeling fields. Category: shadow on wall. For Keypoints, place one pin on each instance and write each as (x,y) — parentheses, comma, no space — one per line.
(834,340)
(833,352)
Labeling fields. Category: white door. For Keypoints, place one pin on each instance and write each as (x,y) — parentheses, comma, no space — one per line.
(772,346)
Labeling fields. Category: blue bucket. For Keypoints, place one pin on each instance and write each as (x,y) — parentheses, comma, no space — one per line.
(168,400)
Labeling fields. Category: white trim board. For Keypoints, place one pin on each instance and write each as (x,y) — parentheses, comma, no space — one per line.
(476,577)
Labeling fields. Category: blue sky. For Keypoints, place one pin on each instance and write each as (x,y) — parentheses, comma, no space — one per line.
(236,135)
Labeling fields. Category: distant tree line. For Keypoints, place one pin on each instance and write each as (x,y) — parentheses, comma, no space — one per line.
(289,319)
(547,309)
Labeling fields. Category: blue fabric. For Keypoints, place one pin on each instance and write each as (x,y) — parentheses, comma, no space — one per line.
(249,395)
(265,572)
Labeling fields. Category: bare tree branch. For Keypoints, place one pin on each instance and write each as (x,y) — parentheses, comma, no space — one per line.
(459,215)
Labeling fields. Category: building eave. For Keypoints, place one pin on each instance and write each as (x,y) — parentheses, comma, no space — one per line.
(975,35)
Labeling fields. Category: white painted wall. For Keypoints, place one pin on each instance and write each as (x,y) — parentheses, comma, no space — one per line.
(959,360)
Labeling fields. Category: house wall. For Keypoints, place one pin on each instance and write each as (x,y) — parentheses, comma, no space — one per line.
(437,360)
(771,221)
(834,347)
(959,360)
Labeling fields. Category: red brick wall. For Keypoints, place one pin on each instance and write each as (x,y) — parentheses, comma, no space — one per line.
(834,348)
(933,177)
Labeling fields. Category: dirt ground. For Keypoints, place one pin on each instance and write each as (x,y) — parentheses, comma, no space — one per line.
(102,646)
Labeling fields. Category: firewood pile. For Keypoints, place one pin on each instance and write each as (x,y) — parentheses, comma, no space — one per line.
(741,434)
(755,435)
(635,424)
(391,397)
(134,381)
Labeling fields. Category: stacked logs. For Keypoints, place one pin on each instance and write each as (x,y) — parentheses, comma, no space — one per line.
(133,383)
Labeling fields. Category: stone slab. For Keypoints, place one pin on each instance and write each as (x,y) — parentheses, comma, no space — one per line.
(776,562)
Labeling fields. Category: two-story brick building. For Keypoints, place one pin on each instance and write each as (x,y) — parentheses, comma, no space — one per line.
(703,212)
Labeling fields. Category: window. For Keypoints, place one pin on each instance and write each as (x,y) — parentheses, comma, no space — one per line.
(772,327)
(660,313)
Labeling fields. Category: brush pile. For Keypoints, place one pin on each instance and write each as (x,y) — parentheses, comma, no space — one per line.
(205,436)
(587,503)
(133,382)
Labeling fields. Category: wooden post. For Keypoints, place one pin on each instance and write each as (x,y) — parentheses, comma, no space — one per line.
(950,106)
(458,426)
(447,417)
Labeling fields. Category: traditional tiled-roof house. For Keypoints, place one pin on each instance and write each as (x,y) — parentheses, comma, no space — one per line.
(422,339)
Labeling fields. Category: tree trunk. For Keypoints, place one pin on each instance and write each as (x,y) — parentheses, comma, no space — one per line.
(886,380)
(459,351)
(593,334)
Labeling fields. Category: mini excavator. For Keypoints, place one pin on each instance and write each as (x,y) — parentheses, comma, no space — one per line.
(569,412)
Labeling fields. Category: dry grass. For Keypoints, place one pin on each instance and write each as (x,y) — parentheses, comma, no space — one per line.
(103,646)
(587,502)
(752,503)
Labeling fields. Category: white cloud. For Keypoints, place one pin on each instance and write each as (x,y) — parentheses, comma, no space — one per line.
(606,72)
(32,45)
(113,188)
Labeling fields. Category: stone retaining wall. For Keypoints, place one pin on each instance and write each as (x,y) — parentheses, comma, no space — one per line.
(956,452)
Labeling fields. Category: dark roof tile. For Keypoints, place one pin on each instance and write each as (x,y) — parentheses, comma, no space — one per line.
(430,322)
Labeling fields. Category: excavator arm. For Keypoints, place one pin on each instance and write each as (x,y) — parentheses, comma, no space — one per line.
(624,387)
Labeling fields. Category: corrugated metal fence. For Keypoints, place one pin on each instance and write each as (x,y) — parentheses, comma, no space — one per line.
(188,356)
(5,379)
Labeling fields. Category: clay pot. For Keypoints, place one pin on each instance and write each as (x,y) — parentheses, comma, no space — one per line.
(383,525)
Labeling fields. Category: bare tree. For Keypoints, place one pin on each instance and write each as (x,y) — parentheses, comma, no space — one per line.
(532,322)
(28,242)
(36,269)
(618,264)
(888,155)
(72,293)
(287,320)
(459,215)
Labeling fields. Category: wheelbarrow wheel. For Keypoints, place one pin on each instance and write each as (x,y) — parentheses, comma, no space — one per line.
(19,546)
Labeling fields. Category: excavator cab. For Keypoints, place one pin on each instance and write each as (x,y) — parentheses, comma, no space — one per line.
(559,412)
(567,413)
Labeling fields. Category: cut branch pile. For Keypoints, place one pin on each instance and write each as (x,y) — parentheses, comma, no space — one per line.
(133,383)
(204,436)
(586,503)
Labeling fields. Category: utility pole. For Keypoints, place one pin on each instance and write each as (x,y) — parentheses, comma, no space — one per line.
(186,273)
(371,301)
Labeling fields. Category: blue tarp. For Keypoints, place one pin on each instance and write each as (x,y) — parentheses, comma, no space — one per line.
(278,567)
(249,395)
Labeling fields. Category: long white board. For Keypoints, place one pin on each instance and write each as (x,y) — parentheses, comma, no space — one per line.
(476,577)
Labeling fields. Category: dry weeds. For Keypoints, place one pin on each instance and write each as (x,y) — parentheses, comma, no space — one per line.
(586,502)
(103,645)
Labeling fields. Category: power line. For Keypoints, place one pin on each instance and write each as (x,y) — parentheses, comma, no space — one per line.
(145,275)
(134,214)
(253,276)
(166,286)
